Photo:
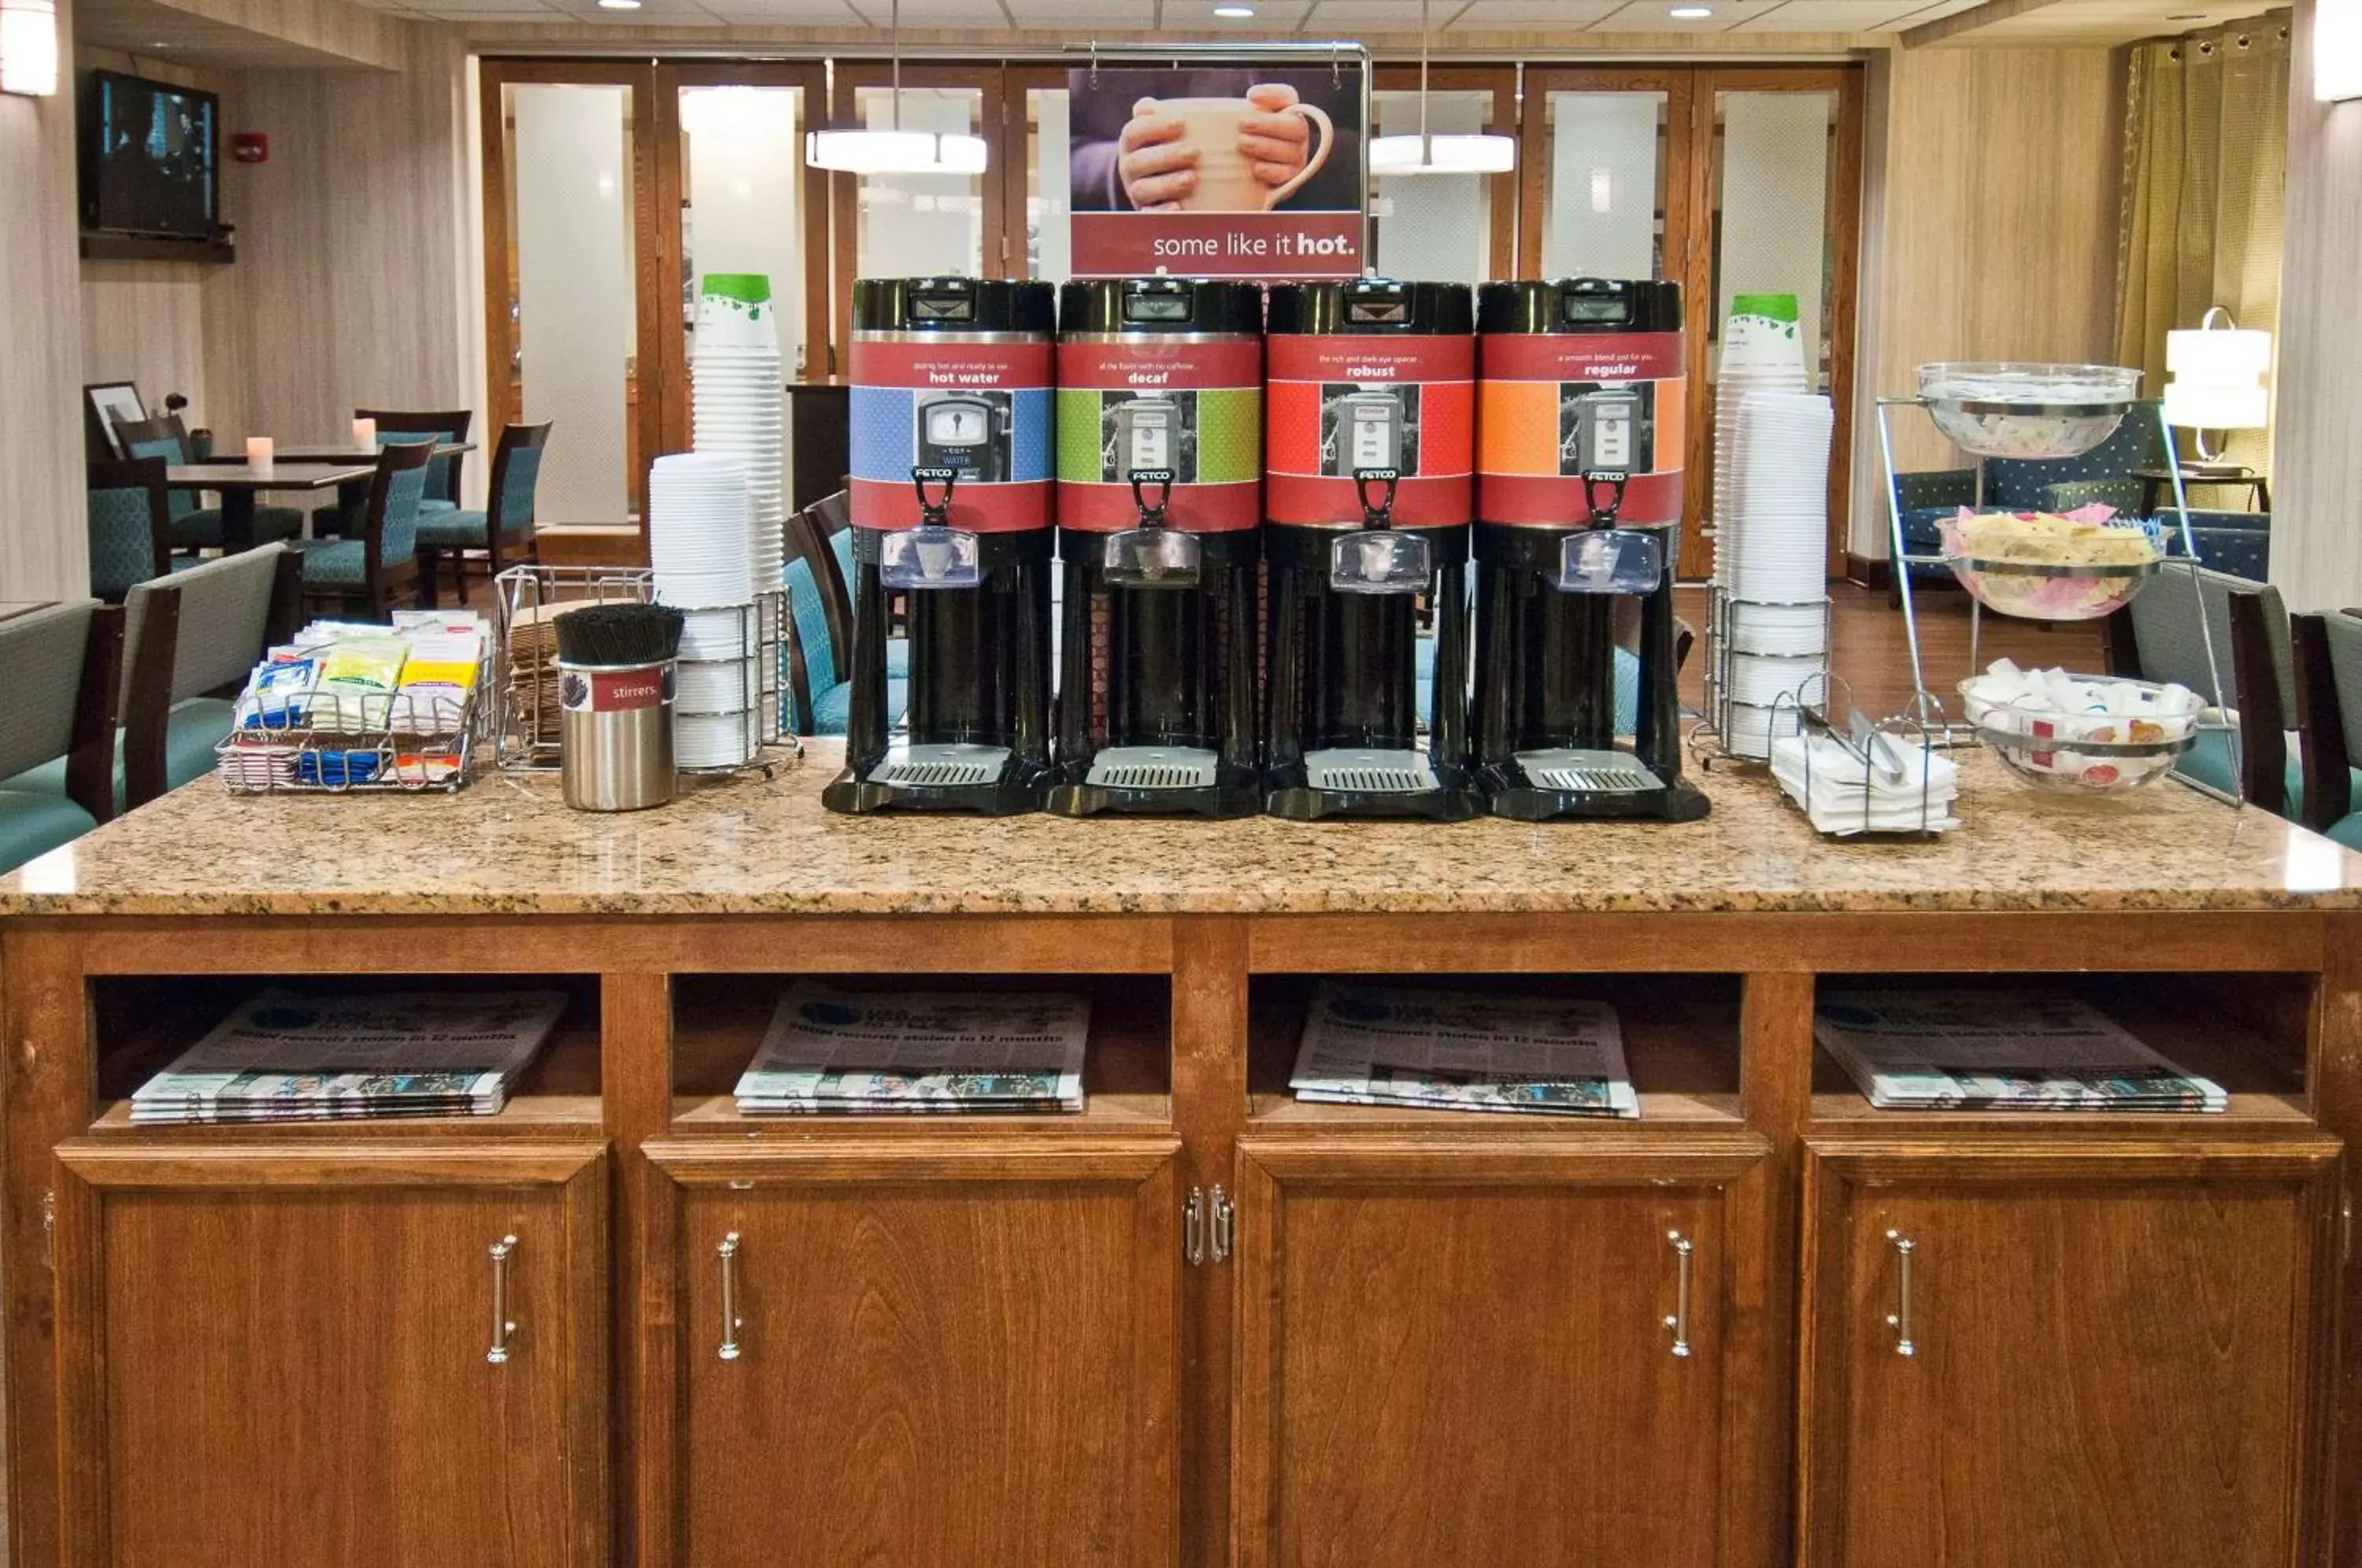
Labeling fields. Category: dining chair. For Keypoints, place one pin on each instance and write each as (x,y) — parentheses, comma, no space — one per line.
(368,572)
(2329,713)
(189,641)
(195,527)
(130,516)
(444,475)
(57,728)
(2162,636)
(503,532)
(831,519)
(818,685)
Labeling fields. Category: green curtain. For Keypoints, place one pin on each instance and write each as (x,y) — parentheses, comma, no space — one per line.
(2205,165)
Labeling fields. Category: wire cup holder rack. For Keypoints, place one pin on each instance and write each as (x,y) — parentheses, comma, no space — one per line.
(524,664)
(1715,737)
(318,742)
(1883,747)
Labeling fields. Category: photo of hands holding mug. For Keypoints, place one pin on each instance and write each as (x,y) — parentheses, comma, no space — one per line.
(1229,141)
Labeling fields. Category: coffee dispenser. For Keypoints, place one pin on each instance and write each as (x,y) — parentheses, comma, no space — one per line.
(1160,501)
(1581,390)
(1368,496)
(950,410)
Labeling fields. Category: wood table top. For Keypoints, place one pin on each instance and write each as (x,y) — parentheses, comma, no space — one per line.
(277,476)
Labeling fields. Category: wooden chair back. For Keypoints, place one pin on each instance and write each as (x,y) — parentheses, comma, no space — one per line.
(443,480)
(111,486)
(516,475)
(63,663)
(2329,712)
(195,633)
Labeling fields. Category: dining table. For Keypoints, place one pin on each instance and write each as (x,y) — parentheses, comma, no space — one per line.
(239,484)
(352,495)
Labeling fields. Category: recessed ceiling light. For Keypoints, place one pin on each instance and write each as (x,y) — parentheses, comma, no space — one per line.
(1235,13)
(619,5)
(1691,13)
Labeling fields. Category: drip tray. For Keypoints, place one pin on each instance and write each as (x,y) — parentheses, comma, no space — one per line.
(1592,772)
(1370,772)
(1153,768)
(959,765)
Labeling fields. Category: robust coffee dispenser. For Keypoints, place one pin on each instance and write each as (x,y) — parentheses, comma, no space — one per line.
(951,442)
(1160,501)
(1369,495)
(1579,506)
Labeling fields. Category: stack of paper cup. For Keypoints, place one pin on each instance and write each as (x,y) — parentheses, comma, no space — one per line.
(1762,352)
(736,383)
(1772,560)
(700,545)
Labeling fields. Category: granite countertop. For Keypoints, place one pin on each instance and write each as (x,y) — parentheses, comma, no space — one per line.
(505,845)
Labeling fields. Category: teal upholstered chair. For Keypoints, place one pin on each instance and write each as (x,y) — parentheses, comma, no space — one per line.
(130,527)
(2161,636)
(503,532)
(2329,715)
(820,695)
(365,575)
(59,720)
(830,520)
(197,526)
(450,427)
(189,641)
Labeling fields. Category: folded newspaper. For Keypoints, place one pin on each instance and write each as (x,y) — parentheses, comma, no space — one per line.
(851,1052)
(1969,1050)
(287,1057)
(1462,1051)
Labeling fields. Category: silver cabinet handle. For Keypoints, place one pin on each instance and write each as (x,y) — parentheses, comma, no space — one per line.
(1680,1321)
(1900,1319)
(1193,1228)
(731,1321)
(1223,1218)
(502,1325)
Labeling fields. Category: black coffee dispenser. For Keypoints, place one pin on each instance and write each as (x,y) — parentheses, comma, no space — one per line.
(1370,400)
(1580,384)
(1160,502)
(951,415)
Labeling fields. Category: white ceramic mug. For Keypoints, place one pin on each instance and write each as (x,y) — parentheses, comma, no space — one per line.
(1226,180)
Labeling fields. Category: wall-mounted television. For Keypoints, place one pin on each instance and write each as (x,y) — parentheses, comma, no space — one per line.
(150,158)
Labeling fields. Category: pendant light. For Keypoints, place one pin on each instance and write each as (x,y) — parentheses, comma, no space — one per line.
(860,150)
(1428,153)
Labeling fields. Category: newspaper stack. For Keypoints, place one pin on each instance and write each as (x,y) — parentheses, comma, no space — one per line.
(833,1053)
(1462,1051)
(1999,1051)
(286,1056)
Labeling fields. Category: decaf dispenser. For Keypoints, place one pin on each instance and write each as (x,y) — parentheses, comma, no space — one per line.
(1160,503)
(951,418)
(1369,496)
(1580,389)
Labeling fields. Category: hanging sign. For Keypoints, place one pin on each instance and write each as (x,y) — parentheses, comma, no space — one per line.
(1219,171)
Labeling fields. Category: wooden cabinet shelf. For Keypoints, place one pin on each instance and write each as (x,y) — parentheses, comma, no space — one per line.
(719,1021)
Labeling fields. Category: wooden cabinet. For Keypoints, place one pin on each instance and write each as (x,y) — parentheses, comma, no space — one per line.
(2022,1353)
(313,1355)
(927,1348)
(1474,1349)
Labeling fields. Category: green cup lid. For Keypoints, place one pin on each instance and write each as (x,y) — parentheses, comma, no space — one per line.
(754,287)
(1778,307)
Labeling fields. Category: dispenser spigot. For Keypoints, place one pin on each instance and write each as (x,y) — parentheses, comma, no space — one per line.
(934,513)
(1151,514)
(1380,515)
(1604,516)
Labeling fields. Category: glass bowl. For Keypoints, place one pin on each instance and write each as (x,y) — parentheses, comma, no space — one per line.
(2036,589)
(2020,409)
(2087,754)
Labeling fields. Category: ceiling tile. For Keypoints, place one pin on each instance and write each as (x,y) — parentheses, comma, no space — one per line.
(1829,16)
(1529,16)
(1346,18)
(1656,17)
(1272,17)
(790,13)
(973,16)
(1105,15)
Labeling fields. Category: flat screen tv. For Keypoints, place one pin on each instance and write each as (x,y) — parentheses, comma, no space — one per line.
(149,158)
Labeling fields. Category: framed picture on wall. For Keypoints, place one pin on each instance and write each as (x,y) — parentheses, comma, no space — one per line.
(106,404)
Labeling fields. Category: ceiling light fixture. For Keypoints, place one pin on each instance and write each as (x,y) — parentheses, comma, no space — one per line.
(619,5)
(1428,153)
(1691,13)
(1234,13)
(861,151)
(2337,50)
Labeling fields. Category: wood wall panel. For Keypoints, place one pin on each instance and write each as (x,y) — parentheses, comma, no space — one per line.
(2317,447)
(43,546)
(1989,229)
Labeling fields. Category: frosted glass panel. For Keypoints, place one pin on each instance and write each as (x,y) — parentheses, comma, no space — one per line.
(1775,181)
(1049,253)
(744,197)
(917,224)
(1437,227)
(576,320)
(1599,212)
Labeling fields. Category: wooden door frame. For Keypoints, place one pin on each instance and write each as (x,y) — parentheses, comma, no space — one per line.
(671,76)
(1508,192)
(848,78)
(651,261)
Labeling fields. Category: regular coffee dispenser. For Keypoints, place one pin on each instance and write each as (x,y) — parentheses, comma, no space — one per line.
(1581,405)
(950,414)
(1369,494)
(1160,503)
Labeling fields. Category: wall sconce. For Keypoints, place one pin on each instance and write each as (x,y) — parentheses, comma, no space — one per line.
(28,48)
(2337,50)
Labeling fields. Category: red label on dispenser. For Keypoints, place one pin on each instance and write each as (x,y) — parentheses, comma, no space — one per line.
(915,362)
(1552,407)
(1341,404)
(1145,360)
(1153,403)
(977,410)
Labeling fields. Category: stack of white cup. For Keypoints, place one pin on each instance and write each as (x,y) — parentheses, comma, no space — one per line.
(700,546)
(736,380)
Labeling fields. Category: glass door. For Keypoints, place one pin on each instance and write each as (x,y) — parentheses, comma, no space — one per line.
(569,272)
(1452,228)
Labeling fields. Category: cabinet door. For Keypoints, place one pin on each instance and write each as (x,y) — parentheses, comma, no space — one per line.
(1462,1352)
(313,1357)
(934,1349)
(2100,1354)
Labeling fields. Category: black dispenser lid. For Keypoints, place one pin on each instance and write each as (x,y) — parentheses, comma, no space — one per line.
(1161,304)
(1579,305)
(1358,306)
(953,305)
